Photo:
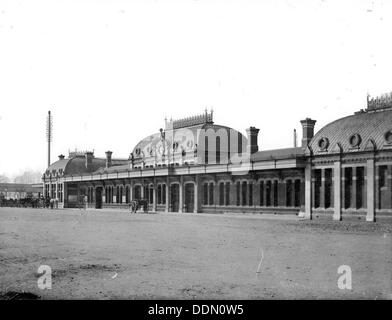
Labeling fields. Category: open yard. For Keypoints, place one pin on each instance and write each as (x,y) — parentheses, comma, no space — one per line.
(103,254)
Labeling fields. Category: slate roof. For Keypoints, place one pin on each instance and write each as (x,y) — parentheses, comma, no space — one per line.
(368,125)
(278,154)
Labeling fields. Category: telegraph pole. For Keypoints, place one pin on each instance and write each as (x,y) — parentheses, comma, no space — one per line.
(49,133)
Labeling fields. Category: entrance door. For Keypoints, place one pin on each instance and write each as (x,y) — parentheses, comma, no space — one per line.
(174,197)
(98,198)
(189,197)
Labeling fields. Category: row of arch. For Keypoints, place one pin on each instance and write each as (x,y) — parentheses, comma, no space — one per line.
(244,193)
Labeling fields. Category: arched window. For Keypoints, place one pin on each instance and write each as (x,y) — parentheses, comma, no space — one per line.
(275,193)
(244,192)
(218,140)
(251,194)
(239,144)
(268,193)
(297,193)
(159,194)
(227,191)
(238,193)
(151,197)
(205,193)
(261,193)
(211,194)
(221,193)
(164,194)
(289,192)
(127,194)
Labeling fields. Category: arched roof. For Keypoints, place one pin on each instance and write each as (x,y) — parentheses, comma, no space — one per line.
(364,130)
(74,165)
(181,135)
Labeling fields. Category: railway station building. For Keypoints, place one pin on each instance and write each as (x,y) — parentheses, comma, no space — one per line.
(193,165)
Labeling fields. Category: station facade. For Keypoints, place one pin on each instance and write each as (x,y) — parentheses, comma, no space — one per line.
(194,165)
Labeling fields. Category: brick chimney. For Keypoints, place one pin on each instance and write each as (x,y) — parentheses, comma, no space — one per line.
(89,159)
(61,157)
(307,131)
(108,158)
(252,134)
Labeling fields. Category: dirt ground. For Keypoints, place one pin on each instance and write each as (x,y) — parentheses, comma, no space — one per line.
(108,254)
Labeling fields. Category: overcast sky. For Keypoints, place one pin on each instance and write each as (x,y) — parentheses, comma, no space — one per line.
(110,71)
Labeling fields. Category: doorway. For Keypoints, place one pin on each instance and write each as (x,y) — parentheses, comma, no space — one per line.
(174,197)
(189,197)
(98,198)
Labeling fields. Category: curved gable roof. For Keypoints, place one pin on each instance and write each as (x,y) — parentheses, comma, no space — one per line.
(369,126)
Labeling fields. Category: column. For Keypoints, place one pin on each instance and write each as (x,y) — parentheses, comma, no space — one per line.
(354,188)
(131,191)
(307,214)
(233,194)
(337,191)
(154,196)
(248,192)
(180,195)
(281,193)
(256,193)
(371,195)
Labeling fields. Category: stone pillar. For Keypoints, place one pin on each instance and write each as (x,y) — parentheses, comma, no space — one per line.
(233,194)
(282,193)
(248,193)
(181,195)
(354,188)
(240,192)
(307,214)
(131,191)
(371,194)
(154,196)
(337,191)
(256,193)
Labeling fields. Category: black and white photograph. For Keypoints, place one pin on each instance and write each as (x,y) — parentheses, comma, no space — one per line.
(216,150)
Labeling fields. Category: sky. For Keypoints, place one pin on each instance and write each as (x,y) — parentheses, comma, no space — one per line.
(111,71)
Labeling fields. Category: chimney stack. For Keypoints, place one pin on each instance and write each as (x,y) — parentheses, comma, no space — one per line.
(307,131)
(61,157)
(252,146)
(295,138)
(108,158)
(89,159)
